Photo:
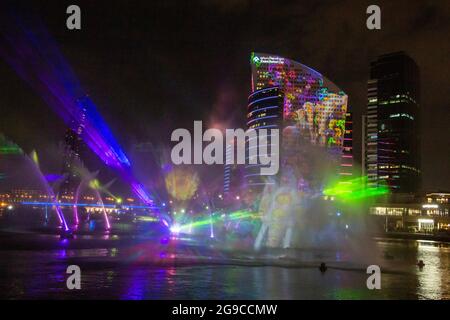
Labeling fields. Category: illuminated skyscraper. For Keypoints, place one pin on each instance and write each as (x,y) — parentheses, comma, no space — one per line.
(347,150)
(232,176)
(264,111)
(304,105)
(73,147)
(310,101)
(228,169)
(391,148)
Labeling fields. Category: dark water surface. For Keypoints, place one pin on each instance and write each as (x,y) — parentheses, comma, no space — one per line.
(141,271)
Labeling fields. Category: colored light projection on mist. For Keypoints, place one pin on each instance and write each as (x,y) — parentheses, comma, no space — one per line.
(181,183)
(354,190)
(7,147)
(210,220)
(31,51)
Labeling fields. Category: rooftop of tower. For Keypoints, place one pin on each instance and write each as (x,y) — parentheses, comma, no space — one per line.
(271,58)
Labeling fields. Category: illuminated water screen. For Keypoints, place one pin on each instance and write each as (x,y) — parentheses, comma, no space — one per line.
(308,190)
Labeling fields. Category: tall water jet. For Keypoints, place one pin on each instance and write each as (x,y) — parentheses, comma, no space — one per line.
(75,204)
(35,164)
(85,180)
(99,199)
(18,165)
(211,226)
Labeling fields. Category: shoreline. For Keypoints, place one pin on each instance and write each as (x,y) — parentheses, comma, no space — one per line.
(413,236)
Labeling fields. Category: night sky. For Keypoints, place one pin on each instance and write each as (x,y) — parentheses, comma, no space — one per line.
(153,66)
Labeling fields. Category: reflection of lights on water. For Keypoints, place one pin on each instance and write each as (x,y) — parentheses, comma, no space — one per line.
(430,278)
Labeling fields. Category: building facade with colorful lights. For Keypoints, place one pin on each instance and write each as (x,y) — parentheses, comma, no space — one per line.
(307,108)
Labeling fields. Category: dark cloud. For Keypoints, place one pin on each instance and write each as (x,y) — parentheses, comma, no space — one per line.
(152,66)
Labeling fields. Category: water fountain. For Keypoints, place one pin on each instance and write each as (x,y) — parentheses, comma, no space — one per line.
(88,180)
(84,181)
(19,166)
(50,194)
(100,201)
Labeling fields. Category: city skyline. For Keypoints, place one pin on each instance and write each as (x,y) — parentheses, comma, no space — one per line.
(253,150)
(223,100)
